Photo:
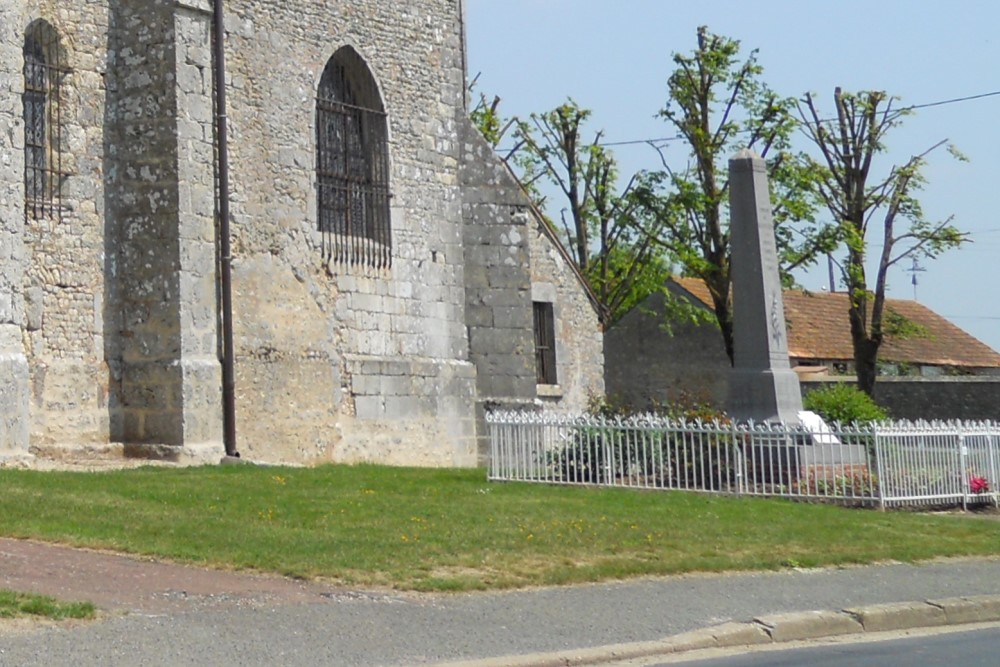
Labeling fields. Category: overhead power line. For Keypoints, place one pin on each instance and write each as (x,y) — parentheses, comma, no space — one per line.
(660,140)
(971,317)
(953,100)
(912,107)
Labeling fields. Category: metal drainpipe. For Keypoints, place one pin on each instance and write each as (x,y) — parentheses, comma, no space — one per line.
(228,375)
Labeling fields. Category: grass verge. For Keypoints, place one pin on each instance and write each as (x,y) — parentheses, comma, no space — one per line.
(434,529)
(20,605)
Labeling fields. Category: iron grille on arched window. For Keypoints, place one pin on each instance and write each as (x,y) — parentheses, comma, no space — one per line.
(44,70)
(352,164)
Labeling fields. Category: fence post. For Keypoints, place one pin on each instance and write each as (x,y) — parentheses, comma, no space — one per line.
(879,468)
(963,454)
(740,462)
(991,435)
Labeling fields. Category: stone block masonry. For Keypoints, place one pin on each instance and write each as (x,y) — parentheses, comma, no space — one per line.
(14,391)
(56,274)
(763,386)
(579,334)
(109,307)
(512,261)
(353,363)
(161,179)
(498,288)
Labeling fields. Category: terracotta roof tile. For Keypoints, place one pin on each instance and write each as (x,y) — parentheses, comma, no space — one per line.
(818,329)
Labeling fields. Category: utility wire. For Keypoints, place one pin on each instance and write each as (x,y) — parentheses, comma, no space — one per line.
(912,107)
(952,101)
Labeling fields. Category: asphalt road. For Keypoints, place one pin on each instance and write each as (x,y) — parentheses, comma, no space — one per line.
(980,648)
(362,630)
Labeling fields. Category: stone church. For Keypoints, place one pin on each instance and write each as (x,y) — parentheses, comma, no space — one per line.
(389,281)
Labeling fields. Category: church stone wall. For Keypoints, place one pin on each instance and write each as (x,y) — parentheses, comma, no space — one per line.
(579,334)
(349,363)
(497,282)
(109,308)
(56,277)
(510,263)
(13,362)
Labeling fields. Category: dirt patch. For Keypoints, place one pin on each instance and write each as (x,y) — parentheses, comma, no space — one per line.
(122,584)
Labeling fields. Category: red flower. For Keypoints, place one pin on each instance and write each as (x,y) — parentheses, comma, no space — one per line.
(978,485)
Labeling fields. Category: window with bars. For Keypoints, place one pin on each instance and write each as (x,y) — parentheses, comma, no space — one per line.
(44,70)
(545,343)
(352,164)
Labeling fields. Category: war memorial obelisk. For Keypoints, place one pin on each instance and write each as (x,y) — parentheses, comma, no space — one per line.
(762,386)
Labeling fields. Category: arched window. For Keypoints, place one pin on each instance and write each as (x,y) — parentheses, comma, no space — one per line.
(352,164)
(43,73)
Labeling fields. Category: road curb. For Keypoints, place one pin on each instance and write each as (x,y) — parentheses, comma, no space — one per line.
(772,629)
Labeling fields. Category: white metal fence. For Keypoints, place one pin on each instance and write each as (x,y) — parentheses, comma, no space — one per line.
(886,464)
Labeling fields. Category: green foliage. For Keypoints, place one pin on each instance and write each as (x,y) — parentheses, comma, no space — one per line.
(900,327)
(896,369)
(603,230)
(485,115)
(718,105)
(684,405)
(844,403)
(608,406)
(860,203)
(688,406)
(668,458)
(627,279)
(678,311)
(607,233)
(860,483)
(14,604)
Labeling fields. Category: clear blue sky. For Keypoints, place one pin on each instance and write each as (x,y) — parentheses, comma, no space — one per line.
(614,58)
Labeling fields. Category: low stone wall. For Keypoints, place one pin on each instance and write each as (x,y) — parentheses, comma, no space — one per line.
(966,397)
(644,364)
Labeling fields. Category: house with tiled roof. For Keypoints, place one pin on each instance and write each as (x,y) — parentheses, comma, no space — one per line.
(819,335)
(649,362)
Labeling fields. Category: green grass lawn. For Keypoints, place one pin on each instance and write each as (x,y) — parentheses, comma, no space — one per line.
(434,529)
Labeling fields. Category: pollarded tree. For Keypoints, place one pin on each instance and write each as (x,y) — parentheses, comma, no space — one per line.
(610,236)
(861,202)
(494,126)
(718,105)
(609,241)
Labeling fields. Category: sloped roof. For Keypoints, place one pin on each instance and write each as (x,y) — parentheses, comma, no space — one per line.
(818,328)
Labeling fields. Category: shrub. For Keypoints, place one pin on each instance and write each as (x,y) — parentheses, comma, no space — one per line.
(844,403)
(682,405)
(584,459)
(598,455)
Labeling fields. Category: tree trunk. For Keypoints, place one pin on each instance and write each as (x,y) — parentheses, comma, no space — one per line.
(865,358)
(724,316)
(727,337)
(866,332)
(865,351)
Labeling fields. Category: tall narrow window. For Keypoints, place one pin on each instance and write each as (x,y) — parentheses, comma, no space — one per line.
(545,343)
(352,164)
(43,170)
